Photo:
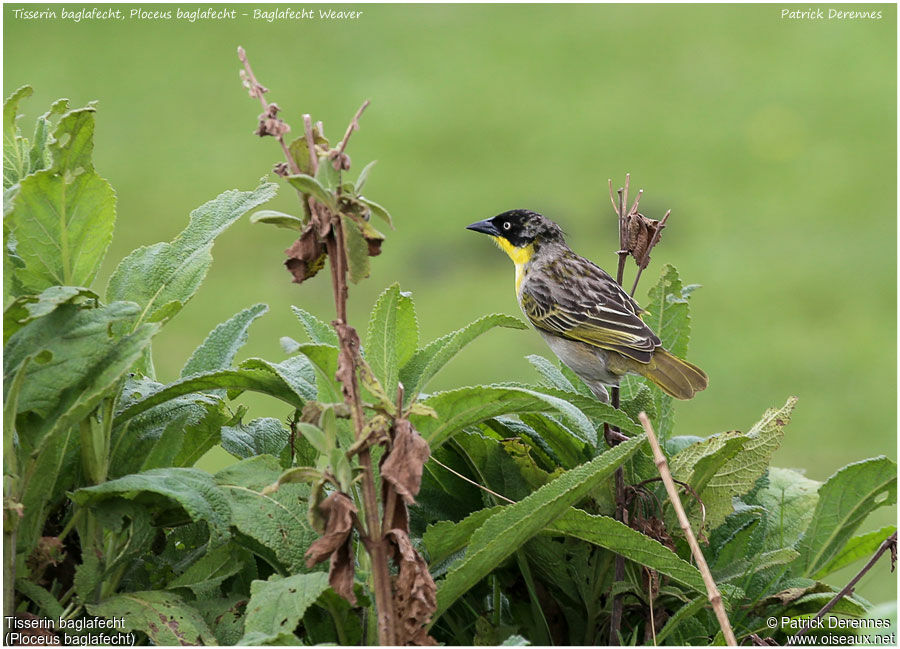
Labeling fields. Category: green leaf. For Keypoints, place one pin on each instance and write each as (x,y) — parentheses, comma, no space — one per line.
(845,500)
(46,603)
(512,526)
(616,536)
(63,217)
(357,249)
(175,432)
(445,538)
(471,405)
(44,478)
(26,308)
(597,411)
(272,525)
(143,610)
(311,186)
(739,473)
(377,210)
(755,564)
(683,614)
(427,362)
(790,499)
(222,344)
(669,317)
(192,490)
(324,359)
(15,158)
(225,616)
(278,219)
(277,605)
(76,365)
(363,176)
(166,275)
(566,446)
(289,381)
(391,337)
(259,437)
(40,156)
(858,547)
(318,331)
(553,377)
(204,576)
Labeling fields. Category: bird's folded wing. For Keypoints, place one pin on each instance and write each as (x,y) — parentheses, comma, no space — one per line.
(607,322)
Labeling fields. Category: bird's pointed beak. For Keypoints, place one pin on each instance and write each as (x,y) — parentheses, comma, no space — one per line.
(486,227)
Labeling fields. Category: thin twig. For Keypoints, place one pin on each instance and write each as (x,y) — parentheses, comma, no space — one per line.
(712,591)
(259,91)
(310,143)
(470,481)
(650,598)
(353,126)
(890,543)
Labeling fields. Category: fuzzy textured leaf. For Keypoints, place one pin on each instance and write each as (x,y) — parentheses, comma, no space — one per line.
(272,525)
(669,316)
(15,156)
(258,437)
(467,406)
(740,472)
(166,275)
(845,500)
(318,331)
(621,539)
(445,538)
(426,362)
(163,616)
(859,547)
(391,337)
(63,216)
(512,526)
(26,308)
(277,605)
(222,344)
(191,489)
(289,382)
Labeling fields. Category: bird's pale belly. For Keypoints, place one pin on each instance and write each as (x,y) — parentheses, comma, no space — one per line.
(588,362)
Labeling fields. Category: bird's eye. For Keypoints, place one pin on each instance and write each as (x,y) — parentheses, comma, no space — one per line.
(507,225)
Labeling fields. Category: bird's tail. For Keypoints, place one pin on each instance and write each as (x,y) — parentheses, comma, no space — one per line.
(674,376)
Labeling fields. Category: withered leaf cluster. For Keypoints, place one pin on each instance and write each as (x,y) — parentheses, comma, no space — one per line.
(338,511)
(402,467)
(415,594)
(640,234)
(306,256)
(270,124)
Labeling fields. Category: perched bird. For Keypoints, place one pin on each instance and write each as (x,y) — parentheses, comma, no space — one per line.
(588,321)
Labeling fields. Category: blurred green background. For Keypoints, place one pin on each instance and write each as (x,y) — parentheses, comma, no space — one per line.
(773,142)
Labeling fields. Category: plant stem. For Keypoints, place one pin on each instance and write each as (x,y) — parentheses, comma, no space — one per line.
(712,591)
(374,543)
(890,543)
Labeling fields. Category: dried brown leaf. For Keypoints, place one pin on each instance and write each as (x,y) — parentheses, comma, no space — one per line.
(306,256)
(338,510)
(349,345)
(404,463)
(269,123)
(640,232)
(340,572)
(414,592)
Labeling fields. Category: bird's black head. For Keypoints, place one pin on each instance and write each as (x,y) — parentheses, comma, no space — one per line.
(519,228)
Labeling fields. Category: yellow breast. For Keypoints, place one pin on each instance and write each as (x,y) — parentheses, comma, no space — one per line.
(519,256)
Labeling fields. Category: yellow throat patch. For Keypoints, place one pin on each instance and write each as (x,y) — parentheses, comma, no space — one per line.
(519,256)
